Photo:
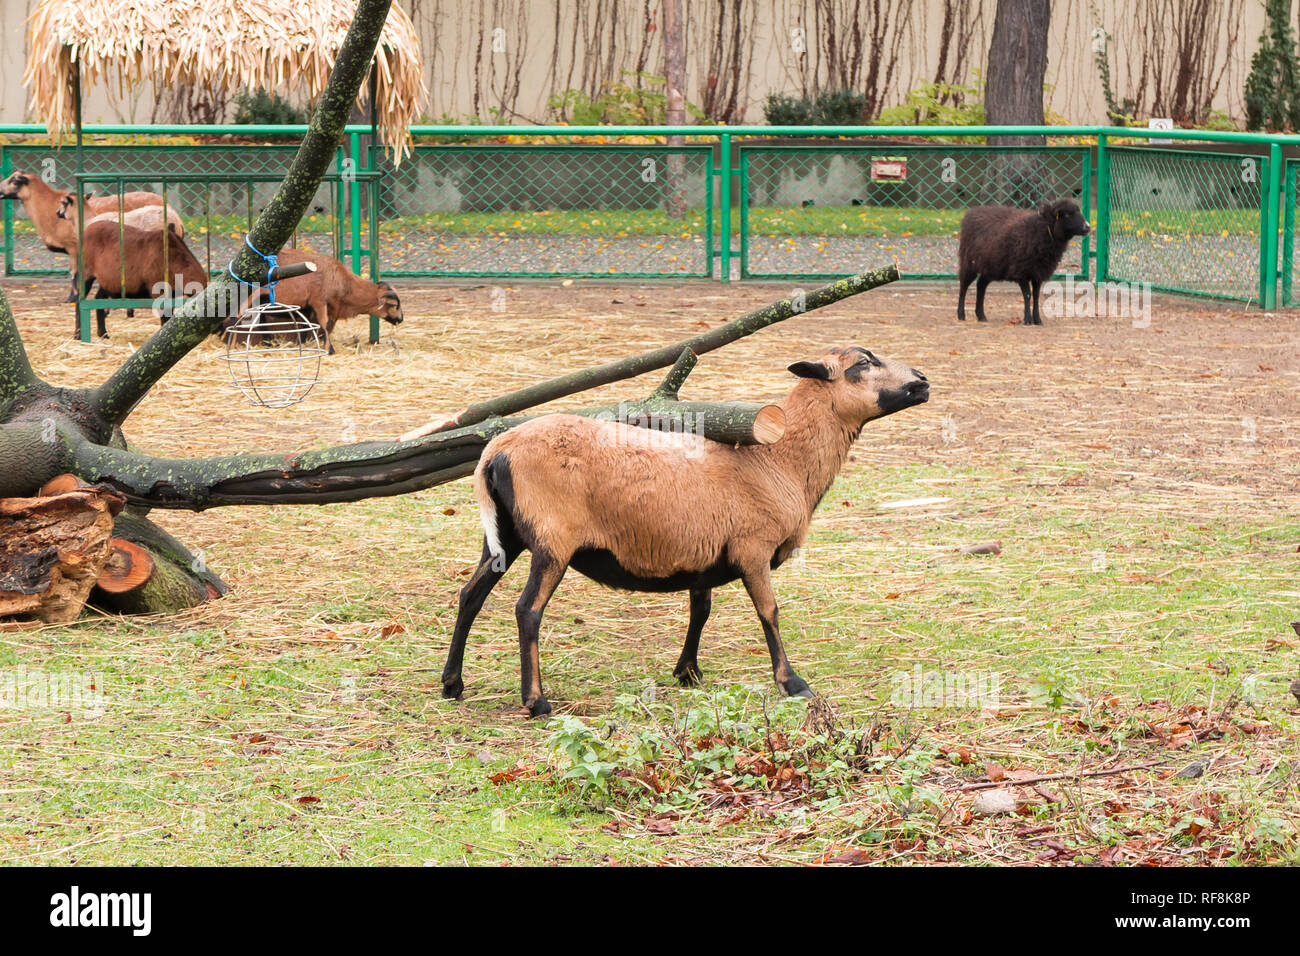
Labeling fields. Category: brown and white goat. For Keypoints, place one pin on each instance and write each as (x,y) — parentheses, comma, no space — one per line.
(144,270)
(43,203)
(331,293)
(645,511)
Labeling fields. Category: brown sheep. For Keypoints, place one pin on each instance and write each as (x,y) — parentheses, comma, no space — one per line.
(646,511)
(331,293)
(43,202)
(147,275)
(1001,243)
(142,217)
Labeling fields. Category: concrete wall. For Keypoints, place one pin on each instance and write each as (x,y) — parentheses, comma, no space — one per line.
(515,54)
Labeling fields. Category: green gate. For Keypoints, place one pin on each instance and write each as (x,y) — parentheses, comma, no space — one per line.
(1186,221)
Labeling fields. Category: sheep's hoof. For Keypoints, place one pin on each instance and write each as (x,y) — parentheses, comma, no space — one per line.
(538,708)
(797,687)
(981,318)
(689,676)
(453,689)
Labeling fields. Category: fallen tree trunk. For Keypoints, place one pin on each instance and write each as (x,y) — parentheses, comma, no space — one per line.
(630,367)
(375,469)
(169,577)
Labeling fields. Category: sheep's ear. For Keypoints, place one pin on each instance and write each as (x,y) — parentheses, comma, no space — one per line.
(811,370)
(1047,210)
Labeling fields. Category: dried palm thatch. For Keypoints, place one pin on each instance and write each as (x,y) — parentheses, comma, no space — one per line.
(229,44)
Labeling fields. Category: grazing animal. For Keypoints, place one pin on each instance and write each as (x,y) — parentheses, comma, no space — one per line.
(142,217)
(331,293)
(143,266)
(59,233)
(646,511)
(1004,244)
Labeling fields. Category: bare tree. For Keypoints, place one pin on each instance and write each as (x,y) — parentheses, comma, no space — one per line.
(724,56)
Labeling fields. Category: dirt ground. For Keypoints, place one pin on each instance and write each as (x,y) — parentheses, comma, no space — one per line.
(1208,388)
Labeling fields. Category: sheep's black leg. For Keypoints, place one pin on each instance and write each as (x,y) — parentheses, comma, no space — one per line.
(543,578)
(72,292)
(687,670)
(76,315)
(490,571)
(981,286)
(965,281)
(758,582)
(1037,288)
(1024,294)
(101,326)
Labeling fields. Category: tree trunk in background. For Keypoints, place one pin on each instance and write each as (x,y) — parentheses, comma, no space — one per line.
(1013,91)
(675,74)
(1013,96)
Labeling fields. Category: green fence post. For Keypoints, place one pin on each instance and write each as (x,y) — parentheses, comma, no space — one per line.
(1268,223)
(1103,210)
(1288,232)
(724,206)
(5,172)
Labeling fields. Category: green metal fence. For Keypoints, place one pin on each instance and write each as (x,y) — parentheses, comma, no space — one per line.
(1186,221)
(217,188)
(730,203)
(637,211)
(823,211)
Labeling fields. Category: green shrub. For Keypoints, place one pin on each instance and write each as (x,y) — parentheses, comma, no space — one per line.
(828,108)
(621,103)
(938,104)
(1273,87)
(260,108)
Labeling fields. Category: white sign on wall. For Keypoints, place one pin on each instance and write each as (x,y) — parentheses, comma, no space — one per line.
(1160,122)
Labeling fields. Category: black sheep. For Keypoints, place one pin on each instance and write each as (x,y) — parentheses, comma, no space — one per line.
(1004,244)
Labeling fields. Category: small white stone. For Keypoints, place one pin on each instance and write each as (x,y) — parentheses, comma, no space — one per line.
(991,802)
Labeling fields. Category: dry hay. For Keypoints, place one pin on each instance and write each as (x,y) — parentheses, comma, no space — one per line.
(224,44)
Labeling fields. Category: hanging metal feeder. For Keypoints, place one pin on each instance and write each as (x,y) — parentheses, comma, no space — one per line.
(274,353)
(273,350)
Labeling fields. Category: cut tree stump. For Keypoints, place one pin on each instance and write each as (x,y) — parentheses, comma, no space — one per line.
(52,550)
(151,572)
(129,567)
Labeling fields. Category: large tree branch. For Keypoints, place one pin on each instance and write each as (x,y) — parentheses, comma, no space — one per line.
(16,375)
(31,452)
(747,324)
(379,469)
(202,315)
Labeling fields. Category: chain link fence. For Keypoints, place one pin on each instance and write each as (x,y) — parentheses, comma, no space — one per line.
(217,190)
(1184,220)
(1187,221)
(575,210)
(1290,269)
(825,211)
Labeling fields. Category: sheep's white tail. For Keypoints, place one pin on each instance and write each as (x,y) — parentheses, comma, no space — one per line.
(487,510)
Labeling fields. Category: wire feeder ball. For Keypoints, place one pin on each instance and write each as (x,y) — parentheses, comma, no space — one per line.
(274,354)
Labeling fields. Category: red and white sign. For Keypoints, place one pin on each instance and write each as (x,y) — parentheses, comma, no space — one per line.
(889,170)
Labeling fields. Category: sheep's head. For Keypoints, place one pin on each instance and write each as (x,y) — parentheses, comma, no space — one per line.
(17,186)
(390,306)
(1064,219)
(862,386)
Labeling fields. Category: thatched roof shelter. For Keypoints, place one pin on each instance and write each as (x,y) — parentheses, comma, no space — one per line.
(227,44)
